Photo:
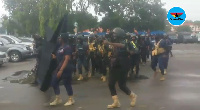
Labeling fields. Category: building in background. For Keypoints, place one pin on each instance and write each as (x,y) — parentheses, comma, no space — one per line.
(194,28)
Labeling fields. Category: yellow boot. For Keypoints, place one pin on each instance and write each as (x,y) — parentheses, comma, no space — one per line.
(104,79)
(115,104)
(133,99)
(57,101)
(162,78)
(101,77)
(80,77)
(165,71)
(89,75)
(70,101)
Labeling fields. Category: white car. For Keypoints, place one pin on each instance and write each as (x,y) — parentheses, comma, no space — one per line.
(15,40)
(198,37)
(3,58)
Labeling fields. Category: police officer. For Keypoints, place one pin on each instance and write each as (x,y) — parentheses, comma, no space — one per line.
(119,68)
(63,71)
(135,55)
(92,52)
(102,54)
(72,43)
(168,51)
(154,59)
(144,48)
(148,44)
(160,53)
(82,53)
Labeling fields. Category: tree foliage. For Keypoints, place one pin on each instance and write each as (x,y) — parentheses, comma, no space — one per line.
(183,29)
(28,17)
(129,14)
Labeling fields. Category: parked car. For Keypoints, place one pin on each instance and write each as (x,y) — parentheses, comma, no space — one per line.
(174,38)
(180,38)
(16,52)
(3,58)
(187,37)
(198,37)
(15,40)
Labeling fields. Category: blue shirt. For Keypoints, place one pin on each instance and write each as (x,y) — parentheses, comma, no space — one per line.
(61,53)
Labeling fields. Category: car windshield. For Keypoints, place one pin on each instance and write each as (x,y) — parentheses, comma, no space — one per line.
(173,36)
(4,41)
(26,40)
(16,39)
(187,36)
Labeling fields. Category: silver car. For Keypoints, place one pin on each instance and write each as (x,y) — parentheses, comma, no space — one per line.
(15,40)
(16,52)
(3,58)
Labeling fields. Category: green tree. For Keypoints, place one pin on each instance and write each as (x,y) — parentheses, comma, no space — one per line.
(139,14)
(183,29)
(23,16)
(197,23)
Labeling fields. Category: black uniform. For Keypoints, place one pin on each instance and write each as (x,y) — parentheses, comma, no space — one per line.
(91,56)
(82,50)
(119,70)
(135,57)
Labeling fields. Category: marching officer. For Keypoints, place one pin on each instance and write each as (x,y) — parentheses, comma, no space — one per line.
(92,52)
(119,68)
(159,55)
(102,54)
(144,48)
(82,54)
(135,56)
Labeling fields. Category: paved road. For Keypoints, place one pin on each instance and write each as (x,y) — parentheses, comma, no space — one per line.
(180,91)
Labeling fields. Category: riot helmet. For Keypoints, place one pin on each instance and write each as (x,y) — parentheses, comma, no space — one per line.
(118,34)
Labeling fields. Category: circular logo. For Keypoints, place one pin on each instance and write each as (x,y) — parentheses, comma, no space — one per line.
(176,16)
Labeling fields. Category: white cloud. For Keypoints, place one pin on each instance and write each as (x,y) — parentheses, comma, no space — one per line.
(3,11)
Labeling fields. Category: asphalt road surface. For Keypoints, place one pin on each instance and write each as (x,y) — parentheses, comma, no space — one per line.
(180,91)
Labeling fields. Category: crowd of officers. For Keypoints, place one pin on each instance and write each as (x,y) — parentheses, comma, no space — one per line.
(116,53)
(91,53)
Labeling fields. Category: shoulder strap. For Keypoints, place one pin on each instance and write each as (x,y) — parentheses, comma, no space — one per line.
(133,44)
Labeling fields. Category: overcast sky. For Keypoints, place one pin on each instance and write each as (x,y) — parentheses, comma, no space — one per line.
(191,7)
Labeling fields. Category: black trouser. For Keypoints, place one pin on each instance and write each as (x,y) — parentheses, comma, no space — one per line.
(144,55)
(135,62)
(154,62)
(103,65)
(118,74)
(82,61)
(147,54)
(93,63)
(74,62)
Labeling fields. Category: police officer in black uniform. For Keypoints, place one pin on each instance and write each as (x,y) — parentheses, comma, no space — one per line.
(102,56)
(135,56)
(82,56)
(119,68)
(92,52)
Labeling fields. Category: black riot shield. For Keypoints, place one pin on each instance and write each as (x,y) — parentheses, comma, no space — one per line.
(47,65)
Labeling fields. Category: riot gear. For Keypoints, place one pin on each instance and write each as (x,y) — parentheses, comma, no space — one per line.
(118,34)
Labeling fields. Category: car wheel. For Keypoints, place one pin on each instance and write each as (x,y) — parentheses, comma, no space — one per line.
(15,56)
